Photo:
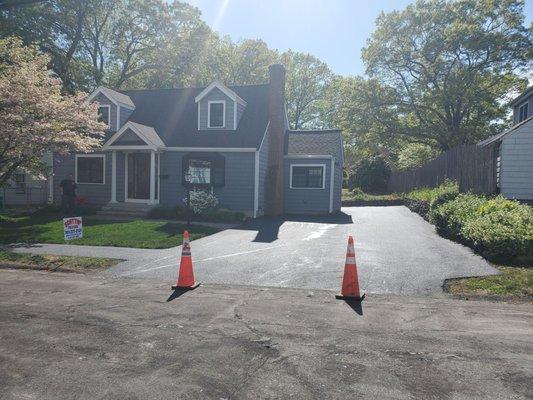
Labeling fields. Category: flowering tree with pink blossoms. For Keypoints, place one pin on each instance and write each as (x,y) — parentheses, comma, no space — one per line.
(35,116)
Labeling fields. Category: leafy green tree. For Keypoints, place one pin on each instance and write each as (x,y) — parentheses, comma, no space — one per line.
(307,81)
(449,65)
(414,155)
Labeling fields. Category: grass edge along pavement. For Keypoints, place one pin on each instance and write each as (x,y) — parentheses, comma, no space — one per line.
(493,227)
(51,263)
(47,227)
(514,284)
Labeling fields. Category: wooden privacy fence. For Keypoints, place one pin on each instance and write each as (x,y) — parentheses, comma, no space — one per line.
(473,167)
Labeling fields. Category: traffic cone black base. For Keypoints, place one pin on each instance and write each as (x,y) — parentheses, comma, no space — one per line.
(341,297)
(186,287)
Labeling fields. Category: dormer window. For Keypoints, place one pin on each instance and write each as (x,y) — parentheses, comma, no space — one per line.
(523,112)
(104,114)
(216,114)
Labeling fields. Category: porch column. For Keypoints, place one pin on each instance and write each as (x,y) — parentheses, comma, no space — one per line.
(152,177)
(113,176)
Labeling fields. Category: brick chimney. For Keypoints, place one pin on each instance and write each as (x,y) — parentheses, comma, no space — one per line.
(276,108)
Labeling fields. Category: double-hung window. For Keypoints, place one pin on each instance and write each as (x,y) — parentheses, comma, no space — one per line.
(216,114)
(203,170)
(90,168)
(523,112)
(104,114)
(307,176)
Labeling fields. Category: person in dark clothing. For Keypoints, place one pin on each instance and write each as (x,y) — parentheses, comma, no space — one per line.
(68,186)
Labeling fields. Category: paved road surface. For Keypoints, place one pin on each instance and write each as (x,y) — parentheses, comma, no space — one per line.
(397,252)
(65,336)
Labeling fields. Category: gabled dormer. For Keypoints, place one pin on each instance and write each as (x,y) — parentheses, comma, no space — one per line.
(219,108)
(522,106)
(114,107)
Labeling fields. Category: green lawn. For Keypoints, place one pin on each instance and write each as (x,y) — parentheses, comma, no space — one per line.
(513,283)
(54,263)
(42,227)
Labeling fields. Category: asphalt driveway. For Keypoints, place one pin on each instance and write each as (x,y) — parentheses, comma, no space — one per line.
(397,252)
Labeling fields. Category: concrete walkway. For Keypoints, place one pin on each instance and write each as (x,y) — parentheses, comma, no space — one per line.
(65,336)
(397,252)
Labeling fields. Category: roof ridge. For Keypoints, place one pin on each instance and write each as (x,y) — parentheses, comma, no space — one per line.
(184,88)
(314,131)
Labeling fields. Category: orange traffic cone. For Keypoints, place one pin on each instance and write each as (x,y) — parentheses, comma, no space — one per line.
(186,274)
(350,282)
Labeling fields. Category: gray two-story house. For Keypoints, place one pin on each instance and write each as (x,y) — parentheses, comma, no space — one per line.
(231,141)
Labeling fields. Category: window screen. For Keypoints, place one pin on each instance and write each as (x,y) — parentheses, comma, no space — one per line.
(103,114)
(307,177)
(216,115)
(90,170)
(523,112)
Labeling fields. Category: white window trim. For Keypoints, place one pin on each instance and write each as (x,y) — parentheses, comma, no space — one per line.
(223,102)
(76,168)
(108,113)
(520,106)
(309,165)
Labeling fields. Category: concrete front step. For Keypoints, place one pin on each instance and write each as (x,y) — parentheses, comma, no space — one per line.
(129,214)
(125,210)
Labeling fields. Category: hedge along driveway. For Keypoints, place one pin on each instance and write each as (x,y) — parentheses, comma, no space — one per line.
(48,228)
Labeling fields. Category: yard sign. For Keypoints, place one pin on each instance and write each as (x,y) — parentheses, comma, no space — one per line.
(73,228)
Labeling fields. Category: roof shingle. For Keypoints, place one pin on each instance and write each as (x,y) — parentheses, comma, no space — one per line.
(173,113)
(319,142)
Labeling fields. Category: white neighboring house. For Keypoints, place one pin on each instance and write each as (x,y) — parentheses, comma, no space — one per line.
(25,189)
(515,160)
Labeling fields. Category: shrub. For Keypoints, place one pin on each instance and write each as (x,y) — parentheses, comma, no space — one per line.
(446,192)
(501,228)
(450,217)
(430,194)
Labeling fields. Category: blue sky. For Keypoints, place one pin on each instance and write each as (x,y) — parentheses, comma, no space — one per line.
(332,30)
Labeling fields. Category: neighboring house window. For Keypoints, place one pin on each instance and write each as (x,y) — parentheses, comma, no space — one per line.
(523,112)
(90,168)
(216,114)
(20,183)
(206,170)
(307,176)
(104,115)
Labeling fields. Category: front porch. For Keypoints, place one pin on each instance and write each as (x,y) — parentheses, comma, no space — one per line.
(139,172)
(135,159)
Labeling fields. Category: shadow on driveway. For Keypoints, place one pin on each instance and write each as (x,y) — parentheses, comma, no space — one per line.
(268,228)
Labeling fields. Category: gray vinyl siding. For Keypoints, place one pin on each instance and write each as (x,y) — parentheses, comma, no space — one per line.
(124,115)
(102,100)
(516,174)
(216,94)
(337,187)
(307,201)
(263,166)
(517,107)
(96,194)
(237,194)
